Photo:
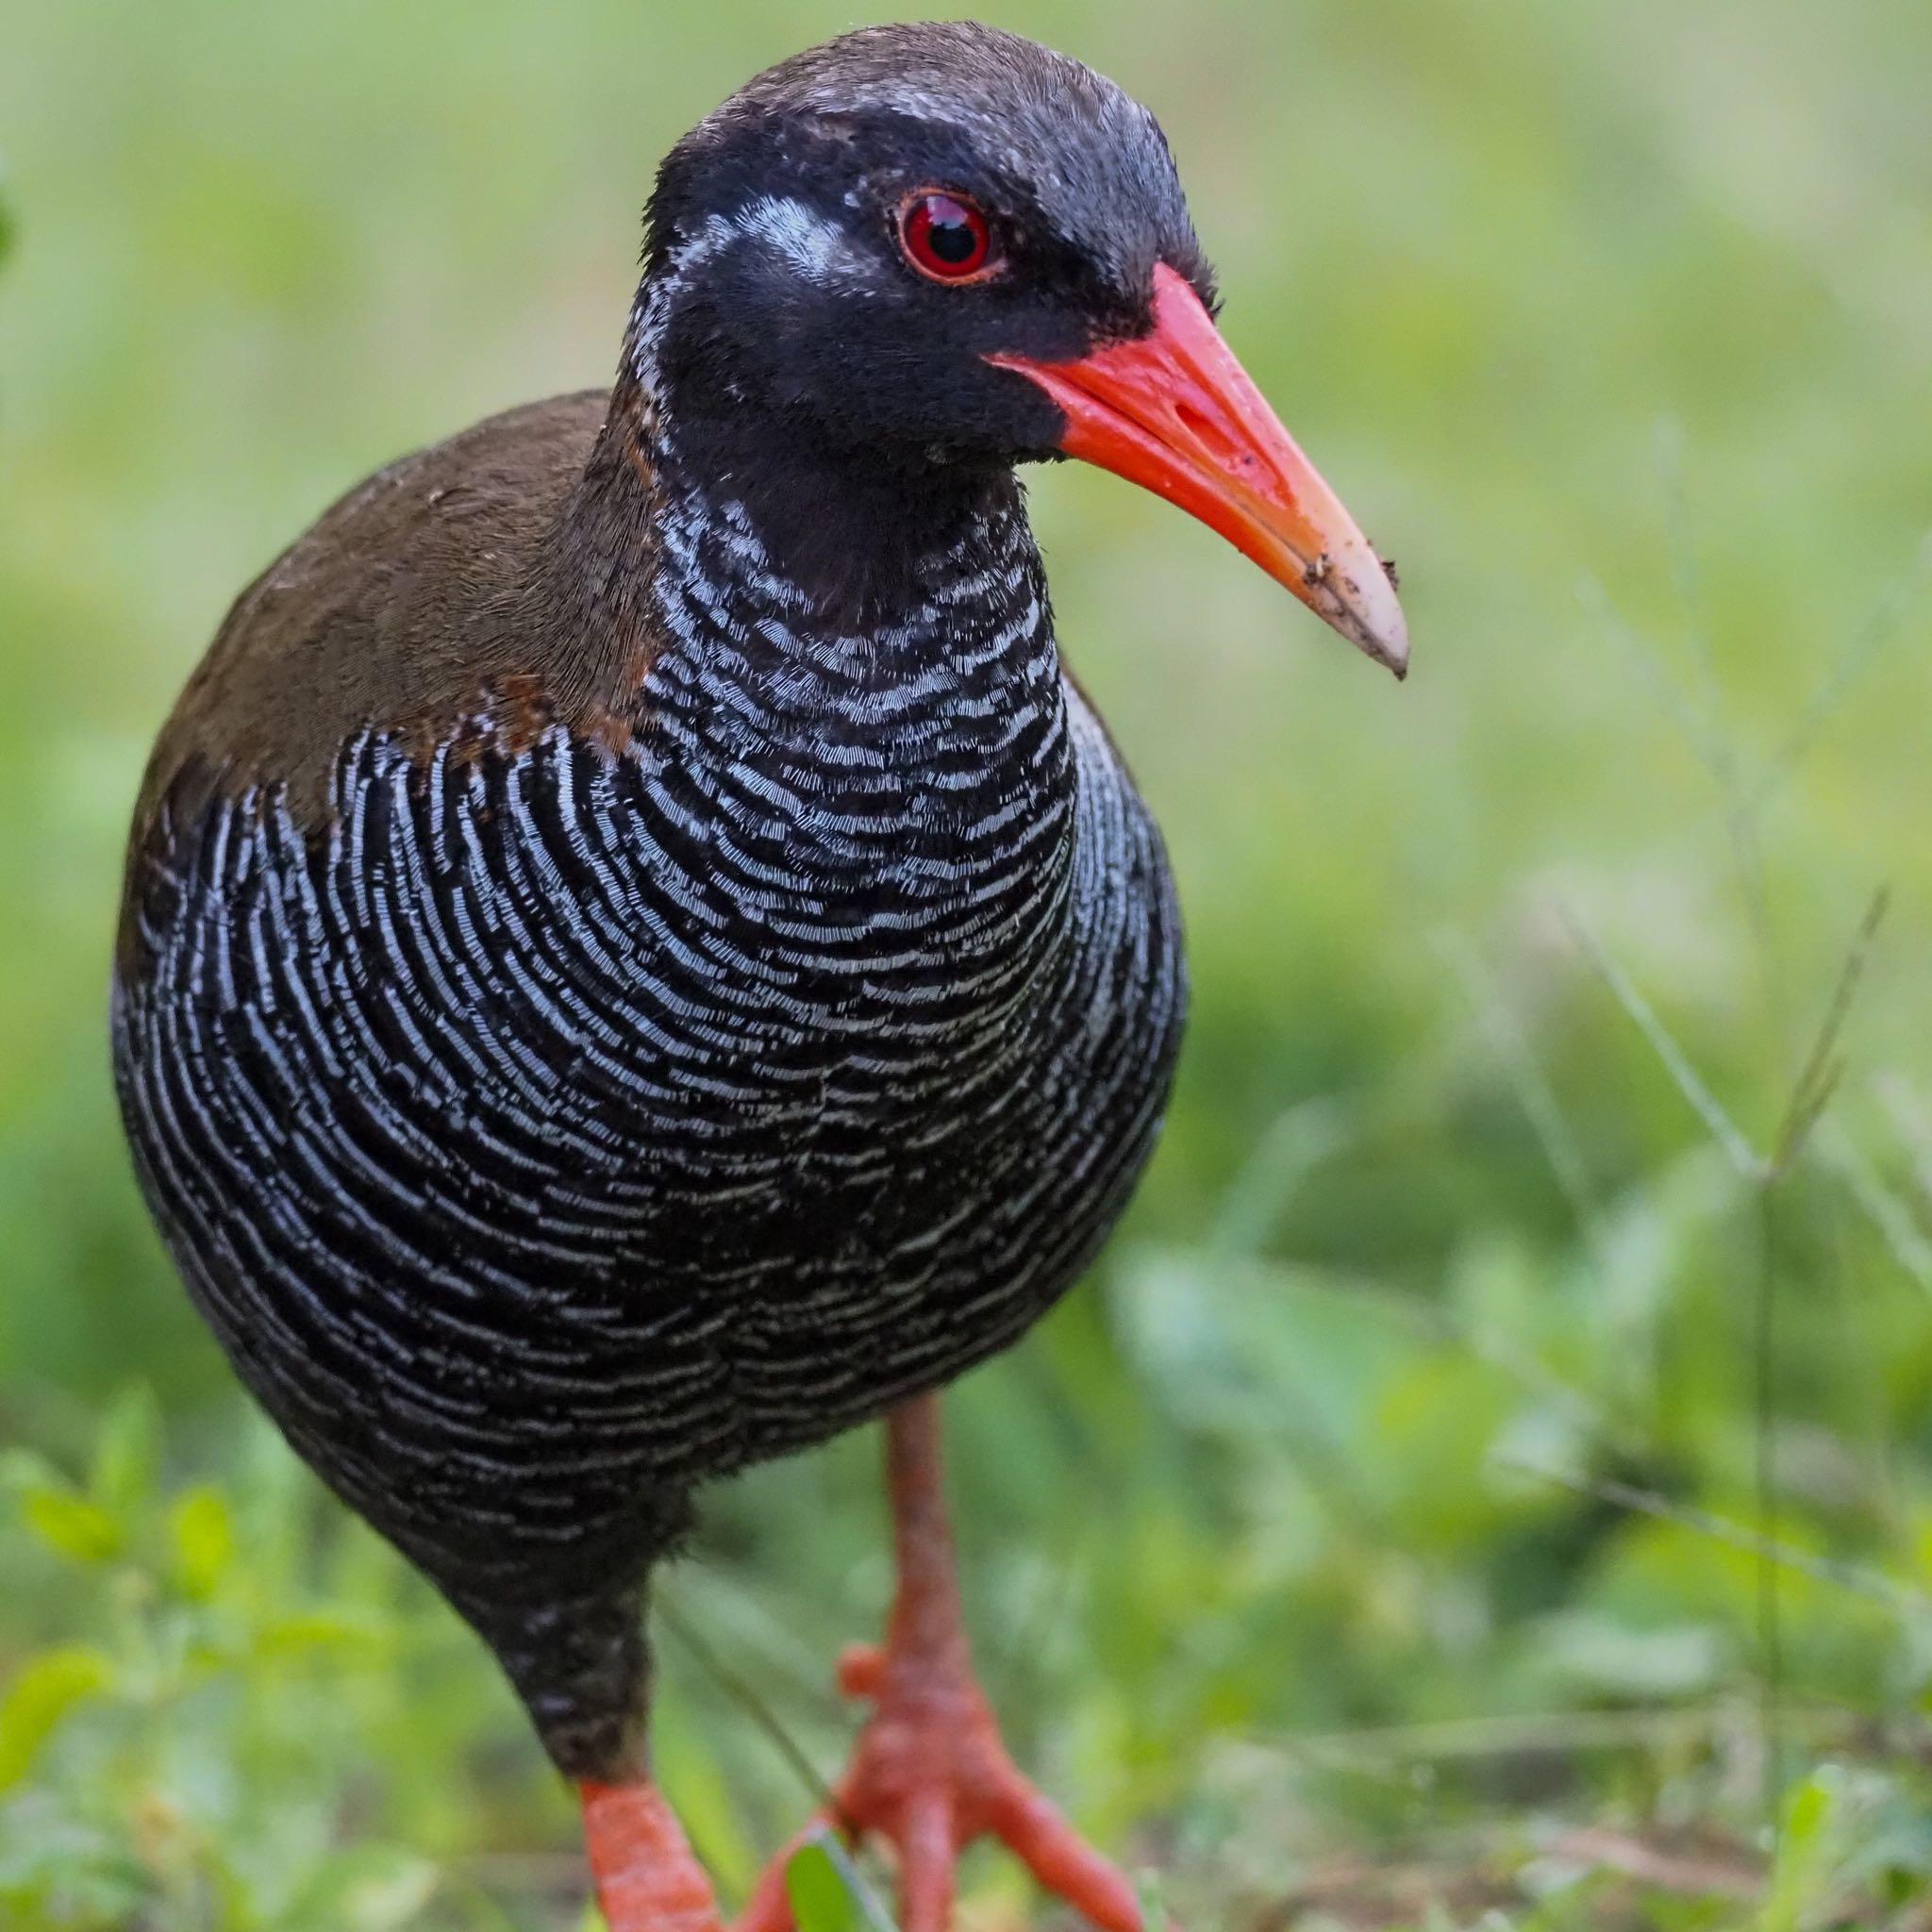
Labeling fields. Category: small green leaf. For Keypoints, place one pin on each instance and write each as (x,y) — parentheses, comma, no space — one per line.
(68,1523)
(820,1900)
(352,1632)
(1801,1853)
(43,1694)
(1810,1808)
(202,1536)
(127,1455)
(825,1891)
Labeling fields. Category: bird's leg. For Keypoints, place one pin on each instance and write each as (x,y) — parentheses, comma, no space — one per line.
(646,1876)
(929,1772)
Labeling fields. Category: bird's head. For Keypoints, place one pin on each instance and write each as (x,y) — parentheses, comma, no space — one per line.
(944,247)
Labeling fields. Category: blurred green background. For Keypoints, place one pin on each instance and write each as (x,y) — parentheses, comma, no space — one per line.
(1380,1538)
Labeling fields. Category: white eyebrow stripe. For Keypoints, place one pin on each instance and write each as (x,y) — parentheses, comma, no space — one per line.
(817,247)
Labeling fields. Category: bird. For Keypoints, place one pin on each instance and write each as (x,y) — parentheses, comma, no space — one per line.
(636,956)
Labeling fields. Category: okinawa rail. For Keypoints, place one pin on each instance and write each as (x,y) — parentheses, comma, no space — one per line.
(636,955)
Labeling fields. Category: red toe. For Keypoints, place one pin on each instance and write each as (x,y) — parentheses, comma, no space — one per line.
(928,1775)
(929,1772)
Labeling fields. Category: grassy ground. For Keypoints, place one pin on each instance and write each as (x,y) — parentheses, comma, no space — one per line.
(1489,1481)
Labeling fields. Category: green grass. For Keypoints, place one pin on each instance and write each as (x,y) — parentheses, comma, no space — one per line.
(1488,1482)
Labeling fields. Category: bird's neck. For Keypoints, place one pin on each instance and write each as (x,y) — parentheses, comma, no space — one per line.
(896,566)
(857,675)
(729,545)
(863,539)
(917,635)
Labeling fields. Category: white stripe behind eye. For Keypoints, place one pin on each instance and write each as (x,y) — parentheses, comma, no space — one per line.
(818,248)
(812,245)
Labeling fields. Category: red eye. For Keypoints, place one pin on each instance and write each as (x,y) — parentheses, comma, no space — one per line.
(945,237)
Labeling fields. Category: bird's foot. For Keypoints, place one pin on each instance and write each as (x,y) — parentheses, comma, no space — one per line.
(929,1774)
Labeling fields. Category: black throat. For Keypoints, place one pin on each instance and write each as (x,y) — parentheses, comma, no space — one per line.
(862,532)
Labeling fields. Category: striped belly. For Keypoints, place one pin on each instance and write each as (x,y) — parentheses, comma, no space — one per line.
(532,1163)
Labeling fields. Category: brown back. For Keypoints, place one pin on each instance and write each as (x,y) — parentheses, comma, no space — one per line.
(461,577)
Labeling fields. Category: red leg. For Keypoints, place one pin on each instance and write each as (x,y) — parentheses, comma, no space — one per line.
(929,1772)
(646,1876)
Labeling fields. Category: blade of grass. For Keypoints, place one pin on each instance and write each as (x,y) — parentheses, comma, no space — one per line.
(1818,1079)
(1910,1122)
(1855,655)
(1295,1146)
(741,1692)
(1534,1093)
(1901,1598)
(1883,1207)
(1738,1149)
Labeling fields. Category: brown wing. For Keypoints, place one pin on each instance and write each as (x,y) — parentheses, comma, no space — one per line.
(441,583)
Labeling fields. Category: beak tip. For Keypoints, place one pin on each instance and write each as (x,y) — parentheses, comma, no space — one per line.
(1394,651)
(1375,624)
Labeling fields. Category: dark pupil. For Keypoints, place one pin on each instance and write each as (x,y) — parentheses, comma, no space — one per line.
(949,234)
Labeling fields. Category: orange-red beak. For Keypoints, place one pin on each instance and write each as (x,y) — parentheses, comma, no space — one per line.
(1174,412)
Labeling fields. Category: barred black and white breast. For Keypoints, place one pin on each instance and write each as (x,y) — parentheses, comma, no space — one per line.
(548,1111)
